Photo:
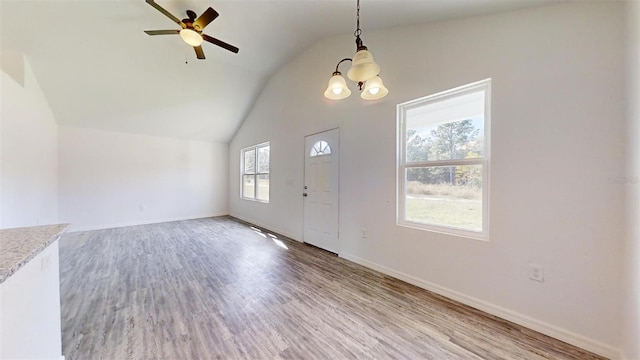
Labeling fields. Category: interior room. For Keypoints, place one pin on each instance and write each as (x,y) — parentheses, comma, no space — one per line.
(247,159)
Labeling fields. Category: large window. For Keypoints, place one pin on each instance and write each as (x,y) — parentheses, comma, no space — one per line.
(443,161)
(255,173)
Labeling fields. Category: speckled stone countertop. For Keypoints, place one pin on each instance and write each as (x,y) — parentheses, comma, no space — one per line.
(19,245)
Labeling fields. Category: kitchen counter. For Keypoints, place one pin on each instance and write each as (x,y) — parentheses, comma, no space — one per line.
(30,292)
(19,245)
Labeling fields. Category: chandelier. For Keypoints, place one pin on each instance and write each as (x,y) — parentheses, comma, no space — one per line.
(363,70)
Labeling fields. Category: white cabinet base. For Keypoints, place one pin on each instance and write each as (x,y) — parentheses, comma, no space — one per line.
(30,309)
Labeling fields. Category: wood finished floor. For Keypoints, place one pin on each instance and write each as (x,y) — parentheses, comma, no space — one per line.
(215,288)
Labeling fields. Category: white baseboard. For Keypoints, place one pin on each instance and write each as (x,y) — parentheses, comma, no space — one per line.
(268,227)
(520,319)
(143,222)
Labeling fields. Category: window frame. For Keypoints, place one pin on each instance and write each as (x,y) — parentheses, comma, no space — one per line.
(403,164)
(256,174)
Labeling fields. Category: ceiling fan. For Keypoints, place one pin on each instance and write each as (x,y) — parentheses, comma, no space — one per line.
(192,27)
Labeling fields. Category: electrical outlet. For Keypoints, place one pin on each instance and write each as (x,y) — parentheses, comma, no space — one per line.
(536,272)
(364,233)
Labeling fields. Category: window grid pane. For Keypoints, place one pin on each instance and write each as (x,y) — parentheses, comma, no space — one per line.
(250,161)
(263,160)
(263,188)
(248,186)
(320,148)
(449,196)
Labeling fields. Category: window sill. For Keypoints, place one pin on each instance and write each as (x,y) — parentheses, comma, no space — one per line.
(255,200)
(445,231)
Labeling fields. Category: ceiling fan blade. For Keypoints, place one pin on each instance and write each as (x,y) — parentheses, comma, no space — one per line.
(220,43)
(162,32)
(199,52)
(166,13)
(205,18)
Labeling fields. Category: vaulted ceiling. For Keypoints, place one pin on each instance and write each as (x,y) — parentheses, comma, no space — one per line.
(98,69)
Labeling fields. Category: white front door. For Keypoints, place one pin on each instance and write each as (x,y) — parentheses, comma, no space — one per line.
(321,166)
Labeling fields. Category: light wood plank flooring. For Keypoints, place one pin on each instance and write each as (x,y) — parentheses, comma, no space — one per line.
(217,289)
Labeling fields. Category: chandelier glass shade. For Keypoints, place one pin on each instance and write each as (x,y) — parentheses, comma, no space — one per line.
(374,89)
(337,88)
(363,67)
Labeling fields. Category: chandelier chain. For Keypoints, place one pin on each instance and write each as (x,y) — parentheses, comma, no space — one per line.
(358,31)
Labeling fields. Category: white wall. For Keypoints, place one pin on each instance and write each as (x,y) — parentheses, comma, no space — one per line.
(28,148)
(92,178)
(30,312)
(558,129)
(631,329)
(110,179)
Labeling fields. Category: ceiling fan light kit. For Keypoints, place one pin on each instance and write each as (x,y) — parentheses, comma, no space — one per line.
(191,37)
(192,27)
(363,70)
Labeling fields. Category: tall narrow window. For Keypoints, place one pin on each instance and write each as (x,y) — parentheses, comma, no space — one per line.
(255,173)
(443,161)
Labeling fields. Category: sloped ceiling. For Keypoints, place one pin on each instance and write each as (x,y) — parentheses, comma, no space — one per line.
(98,69)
